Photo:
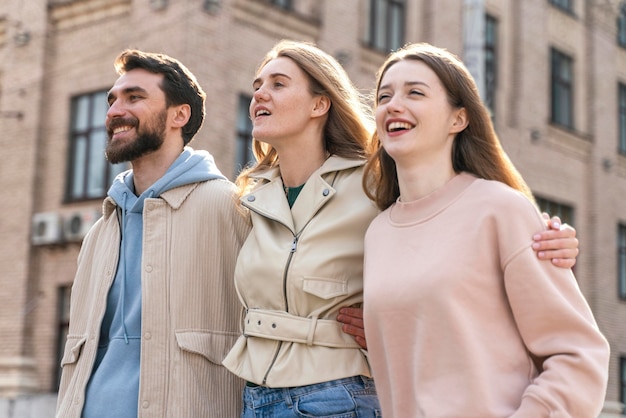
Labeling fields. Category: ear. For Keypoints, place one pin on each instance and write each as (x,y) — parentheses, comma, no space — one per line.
(459,121)
(180,115)
(321,106)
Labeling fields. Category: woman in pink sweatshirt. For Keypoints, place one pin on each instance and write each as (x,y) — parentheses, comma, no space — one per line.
(462,319)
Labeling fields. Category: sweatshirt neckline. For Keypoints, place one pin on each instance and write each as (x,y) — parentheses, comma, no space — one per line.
(423,209)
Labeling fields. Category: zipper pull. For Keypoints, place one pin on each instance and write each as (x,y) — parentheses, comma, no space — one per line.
(294,244)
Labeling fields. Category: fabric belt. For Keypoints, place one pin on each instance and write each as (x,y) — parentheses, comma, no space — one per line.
(282,326)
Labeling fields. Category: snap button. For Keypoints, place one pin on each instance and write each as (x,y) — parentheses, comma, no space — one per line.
(326,192)
(251,198)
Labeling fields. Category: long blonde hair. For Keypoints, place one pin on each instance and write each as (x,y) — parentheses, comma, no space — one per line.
(476,150)
(349,124)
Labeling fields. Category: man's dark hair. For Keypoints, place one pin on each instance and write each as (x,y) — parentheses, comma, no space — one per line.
(179,84)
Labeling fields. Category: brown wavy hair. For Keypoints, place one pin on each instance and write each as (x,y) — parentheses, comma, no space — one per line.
(476,149)
(349,124)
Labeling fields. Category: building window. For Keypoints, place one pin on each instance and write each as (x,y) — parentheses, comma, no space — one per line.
(89,174)
(491,63)
(621,260)
(622,380)
(622,119)
(243,153)
(386,27)
(565,5)
(562,89)
(283,4)
(63,327)
(565,212)
(621,26)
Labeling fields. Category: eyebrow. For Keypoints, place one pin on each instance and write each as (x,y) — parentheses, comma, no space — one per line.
(271,76)
(127,90)
(407,84)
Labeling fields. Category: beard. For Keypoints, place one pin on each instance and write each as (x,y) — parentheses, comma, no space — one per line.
(149,139)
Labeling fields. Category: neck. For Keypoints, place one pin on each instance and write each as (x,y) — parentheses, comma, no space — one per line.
(418,180)
(151,167)
(300,156)
(296,166)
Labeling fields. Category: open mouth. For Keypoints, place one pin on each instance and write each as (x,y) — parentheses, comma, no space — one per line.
(399,126)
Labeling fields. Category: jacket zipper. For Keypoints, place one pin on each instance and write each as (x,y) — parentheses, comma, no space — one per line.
(294,247)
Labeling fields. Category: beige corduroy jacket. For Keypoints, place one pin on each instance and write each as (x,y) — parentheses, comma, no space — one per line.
(190,320)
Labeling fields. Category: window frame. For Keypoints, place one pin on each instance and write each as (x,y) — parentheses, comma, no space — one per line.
(382,31)
(564,5)
(621,261)
(561,89)
(621,118)
(491,63)
(244,143)
(282,4)
(564,211)
(621,25)
(64,293)
(622,380)
(84,179)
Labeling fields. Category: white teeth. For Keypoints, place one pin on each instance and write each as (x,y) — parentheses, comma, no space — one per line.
(262,112)
(121,129)
(396,126)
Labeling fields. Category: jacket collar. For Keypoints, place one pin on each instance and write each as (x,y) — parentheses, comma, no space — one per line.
(332,163)
(174,197)
(267,198)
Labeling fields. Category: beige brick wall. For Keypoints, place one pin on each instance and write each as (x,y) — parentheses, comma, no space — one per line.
(71,51)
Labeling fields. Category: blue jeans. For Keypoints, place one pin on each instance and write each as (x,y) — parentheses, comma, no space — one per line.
(352,397)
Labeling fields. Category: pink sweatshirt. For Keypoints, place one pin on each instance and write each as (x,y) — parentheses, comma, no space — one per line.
(463,320)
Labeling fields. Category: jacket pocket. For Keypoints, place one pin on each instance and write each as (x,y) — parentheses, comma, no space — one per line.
(73,348)
(324,287)
(212,345)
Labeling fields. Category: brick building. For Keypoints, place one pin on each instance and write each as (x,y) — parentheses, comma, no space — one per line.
(552,71)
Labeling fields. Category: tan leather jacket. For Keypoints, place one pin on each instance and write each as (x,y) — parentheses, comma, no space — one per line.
(294,272)
(190,311)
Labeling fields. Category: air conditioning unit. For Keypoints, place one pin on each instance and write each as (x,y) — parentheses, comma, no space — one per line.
(46,228)
(77,224)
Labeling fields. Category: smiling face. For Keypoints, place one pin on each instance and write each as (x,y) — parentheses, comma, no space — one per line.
(136,121)
(282,104)
(414,119)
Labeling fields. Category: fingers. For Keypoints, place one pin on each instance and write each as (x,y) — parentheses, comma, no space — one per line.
(552,223)
(352,316)
(565,258)
(352,320)
(563,237)
(567,263)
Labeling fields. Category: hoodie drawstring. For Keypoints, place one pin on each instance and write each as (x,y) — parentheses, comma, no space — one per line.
(122,297)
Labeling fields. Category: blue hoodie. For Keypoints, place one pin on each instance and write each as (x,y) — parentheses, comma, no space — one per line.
(113,388)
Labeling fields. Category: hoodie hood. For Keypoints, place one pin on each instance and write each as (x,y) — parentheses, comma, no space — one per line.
(190,167)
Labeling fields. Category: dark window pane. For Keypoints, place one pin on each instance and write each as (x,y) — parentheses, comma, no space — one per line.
(621,260)
(491,68)
(89,174)
(622,119)
(387,21)
(562,89)
(244,156)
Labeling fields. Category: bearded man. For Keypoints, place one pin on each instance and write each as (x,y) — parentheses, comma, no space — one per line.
(153,308)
